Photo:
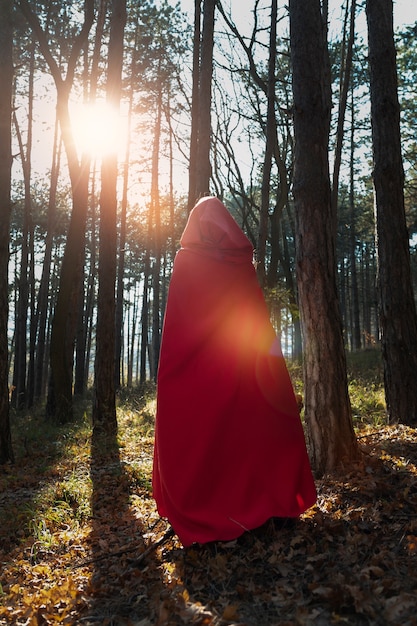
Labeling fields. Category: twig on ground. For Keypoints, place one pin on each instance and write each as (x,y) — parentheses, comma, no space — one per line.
(153,546)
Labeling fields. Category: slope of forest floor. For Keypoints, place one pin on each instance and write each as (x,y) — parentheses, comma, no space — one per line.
(81,542)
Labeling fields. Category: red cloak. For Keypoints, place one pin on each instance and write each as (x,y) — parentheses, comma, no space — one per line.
(229,446)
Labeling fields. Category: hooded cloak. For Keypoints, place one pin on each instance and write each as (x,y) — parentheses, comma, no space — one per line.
(229,445)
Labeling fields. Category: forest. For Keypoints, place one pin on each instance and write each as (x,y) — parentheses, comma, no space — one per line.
(115,117)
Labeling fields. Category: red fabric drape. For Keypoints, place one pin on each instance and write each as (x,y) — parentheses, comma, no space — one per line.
(229,446)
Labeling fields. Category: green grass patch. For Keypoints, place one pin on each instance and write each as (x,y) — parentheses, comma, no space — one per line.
(366,388)
(365,384)
(49,488)
(365,366)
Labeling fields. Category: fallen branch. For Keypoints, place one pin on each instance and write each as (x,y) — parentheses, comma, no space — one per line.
(153,546)
(169,533)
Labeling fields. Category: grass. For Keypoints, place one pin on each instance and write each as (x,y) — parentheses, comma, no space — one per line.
(65,507)
(365,384)
(51,476)
(366,390)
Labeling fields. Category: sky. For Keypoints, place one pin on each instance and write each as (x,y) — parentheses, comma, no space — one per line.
(405,11)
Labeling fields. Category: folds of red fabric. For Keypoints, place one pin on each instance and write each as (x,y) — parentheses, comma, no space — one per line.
(229,445)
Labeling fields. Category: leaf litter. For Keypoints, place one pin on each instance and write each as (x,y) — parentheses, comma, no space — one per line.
(82,544)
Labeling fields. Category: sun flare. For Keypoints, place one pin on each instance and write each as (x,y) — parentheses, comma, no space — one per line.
(98,129)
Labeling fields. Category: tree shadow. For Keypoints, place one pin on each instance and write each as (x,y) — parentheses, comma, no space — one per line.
(38,449)
(125,588)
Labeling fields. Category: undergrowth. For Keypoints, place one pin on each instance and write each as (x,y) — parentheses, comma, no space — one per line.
(366,390)
(76,513)
(54,489)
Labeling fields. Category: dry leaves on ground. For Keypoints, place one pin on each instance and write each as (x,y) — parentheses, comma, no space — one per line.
(352,559)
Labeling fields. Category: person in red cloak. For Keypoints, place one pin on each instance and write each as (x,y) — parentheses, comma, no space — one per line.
(229,448)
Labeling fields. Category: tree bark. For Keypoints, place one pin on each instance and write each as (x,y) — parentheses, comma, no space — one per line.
(144,322)
(121,266)
(203,165)
(327,405)
(345,74)
(44,287)
(59,405)
(6,82)
(91,73)
(192,169)
(104,409)
(156,212)
(18,397)
(397,311)
(355,317)
(270,141)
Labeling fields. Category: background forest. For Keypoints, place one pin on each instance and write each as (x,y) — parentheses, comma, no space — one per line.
(123,114)
(115,116)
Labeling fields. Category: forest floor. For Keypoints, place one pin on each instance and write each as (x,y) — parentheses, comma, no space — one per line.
(81,542)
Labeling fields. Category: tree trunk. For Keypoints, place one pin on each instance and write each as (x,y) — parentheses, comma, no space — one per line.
(64,324)
(270,141)
(397,311)
(43,293)
(20,356)
(21,395)
(156,212)
(104,409)
(203,165)
(31,296)
(131,340)
(192,170)
(86,296)
(327,406)
(121,248)
(356,325)
(59,405)
(6,82)
(144,318)
(345,74)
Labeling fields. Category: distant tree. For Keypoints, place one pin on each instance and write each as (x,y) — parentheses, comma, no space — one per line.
(90,83)
(157,243)
(23,379)
(327,406)
(397,310)
(354,316)
(121,264)
(59,406)
(42,307)
(257,115)
(344,83)
(6,91)
(406,46)
(104,409)
(270,143)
